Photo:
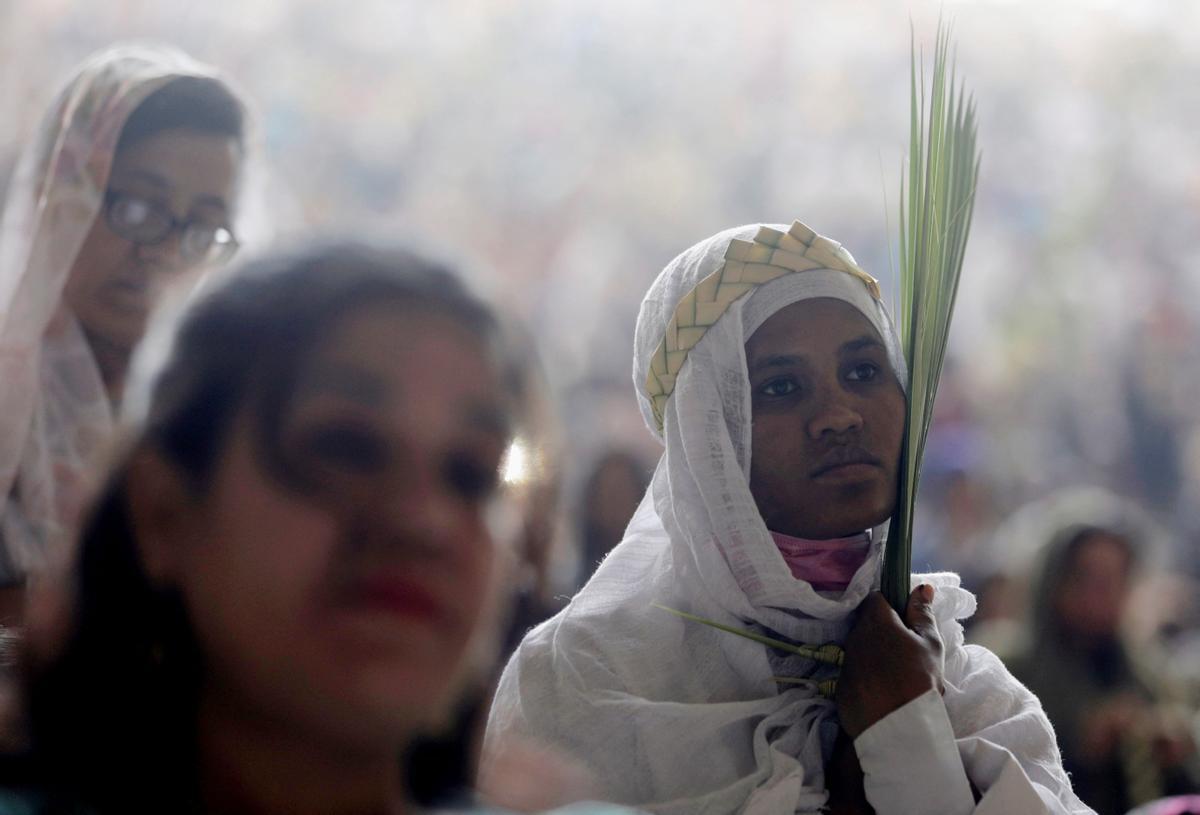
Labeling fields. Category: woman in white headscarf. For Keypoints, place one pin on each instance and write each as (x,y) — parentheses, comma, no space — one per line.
(128,186)
(767,364)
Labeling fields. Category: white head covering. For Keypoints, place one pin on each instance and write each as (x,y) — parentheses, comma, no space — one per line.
(55,417)
(673,715)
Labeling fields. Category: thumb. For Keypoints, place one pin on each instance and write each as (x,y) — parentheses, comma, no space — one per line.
(918,613)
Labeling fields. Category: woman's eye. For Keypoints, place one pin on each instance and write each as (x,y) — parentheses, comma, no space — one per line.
(349,448)
(779,387)
(863,372)
(132,211)
(135,212)
(470,478)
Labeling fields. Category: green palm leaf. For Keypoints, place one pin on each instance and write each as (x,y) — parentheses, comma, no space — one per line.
(829,654)
(937,200)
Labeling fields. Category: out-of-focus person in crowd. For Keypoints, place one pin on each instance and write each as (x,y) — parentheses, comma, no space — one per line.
(957,522)
(999,605)
(610,494)
(129,186)
(1122,740)
(956,508)
(294,575)
(768,366)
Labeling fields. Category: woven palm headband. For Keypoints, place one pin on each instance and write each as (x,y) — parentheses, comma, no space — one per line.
(748,264)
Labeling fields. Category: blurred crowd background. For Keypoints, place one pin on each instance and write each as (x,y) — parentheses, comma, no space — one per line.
(568,150)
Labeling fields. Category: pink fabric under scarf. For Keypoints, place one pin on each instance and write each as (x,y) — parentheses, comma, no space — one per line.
(826,565)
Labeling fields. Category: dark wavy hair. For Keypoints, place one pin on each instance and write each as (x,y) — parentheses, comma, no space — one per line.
(111,717)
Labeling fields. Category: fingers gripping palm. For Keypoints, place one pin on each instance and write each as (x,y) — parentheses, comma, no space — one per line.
(889,661)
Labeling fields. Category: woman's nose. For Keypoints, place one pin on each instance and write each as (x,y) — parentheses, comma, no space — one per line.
(166,254)
(834,416)
(417,512)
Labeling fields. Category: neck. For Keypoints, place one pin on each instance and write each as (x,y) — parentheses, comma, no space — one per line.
(113,361)
(253,765)
(826,565)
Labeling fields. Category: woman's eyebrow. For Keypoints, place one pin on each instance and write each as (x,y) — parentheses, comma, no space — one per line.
(352,383)
(145,176)
(159,183)
(777,361)
(861,343)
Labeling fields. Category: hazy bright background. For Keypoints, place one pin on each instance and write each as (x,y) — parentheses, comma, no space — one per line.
(572,148)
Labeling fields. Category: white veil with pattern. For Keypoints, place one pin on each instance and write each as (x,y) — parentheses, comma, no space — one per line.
(55,417)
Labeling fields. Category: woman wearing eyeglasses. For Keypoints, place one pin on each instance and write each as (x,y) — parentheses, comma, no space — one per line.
(127,188)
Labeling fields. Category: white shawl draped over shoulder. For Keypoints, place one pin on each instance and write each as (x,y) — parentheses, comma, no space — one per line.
(677,717)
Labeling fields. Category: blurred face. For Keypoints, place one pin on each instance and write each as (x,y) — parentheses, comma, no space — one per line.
(345,603)
(1092,594)
(114,282)
(828,421)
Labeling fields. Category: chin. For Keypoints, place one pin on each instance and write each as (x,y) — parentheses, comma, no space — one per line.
(383,706)
(417,689)
(119,331)
(863,511)
(836,524)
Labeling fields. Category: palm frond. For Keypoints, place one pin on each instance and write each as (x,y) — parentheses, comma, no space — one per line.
(937,201)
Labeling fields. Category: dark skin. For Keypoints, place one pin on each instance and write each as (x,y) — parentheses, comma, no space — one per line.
(828,421)
(828,424)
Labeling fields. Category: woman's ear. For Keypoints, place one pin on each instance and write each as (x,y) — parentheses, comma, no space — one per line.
(162,512)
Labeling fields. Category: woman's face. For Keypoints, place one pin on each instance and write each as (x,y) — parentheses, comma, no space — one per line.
(828,421)
(347,605)
(115,282)
(1094,587)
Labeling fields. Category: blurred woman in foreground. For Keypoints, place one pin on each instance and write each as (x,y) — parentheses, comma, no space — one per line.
(129,186)
(292,575)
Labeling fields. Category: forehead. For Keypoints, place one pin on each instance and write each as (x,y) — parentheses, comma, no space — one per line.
(1101,547)
(811,328)
(395,354)
(184,164)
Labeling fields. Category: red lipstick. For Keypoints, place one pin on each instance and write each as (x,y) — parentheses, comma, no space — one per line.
(398,596)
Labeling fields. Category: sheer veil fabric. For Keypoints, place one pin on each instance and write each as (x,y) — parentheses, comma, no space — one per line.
(55,417)
(677,717)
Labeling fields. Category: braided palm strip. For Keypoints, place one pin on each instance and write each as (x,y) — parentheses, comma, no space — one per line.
(748,264)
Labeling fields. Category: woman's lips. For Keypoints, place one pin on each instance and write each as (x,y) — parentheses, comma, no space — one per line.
(851,472)
(398,597)
(131,295)
(848,464)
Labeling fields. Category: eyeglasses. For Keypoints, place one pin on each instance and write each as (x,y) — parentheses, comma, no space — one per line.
(145,222)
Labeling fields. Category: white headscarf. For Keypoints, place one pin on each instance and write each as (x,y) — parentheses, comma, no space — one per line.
(677,717)
(55,416)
